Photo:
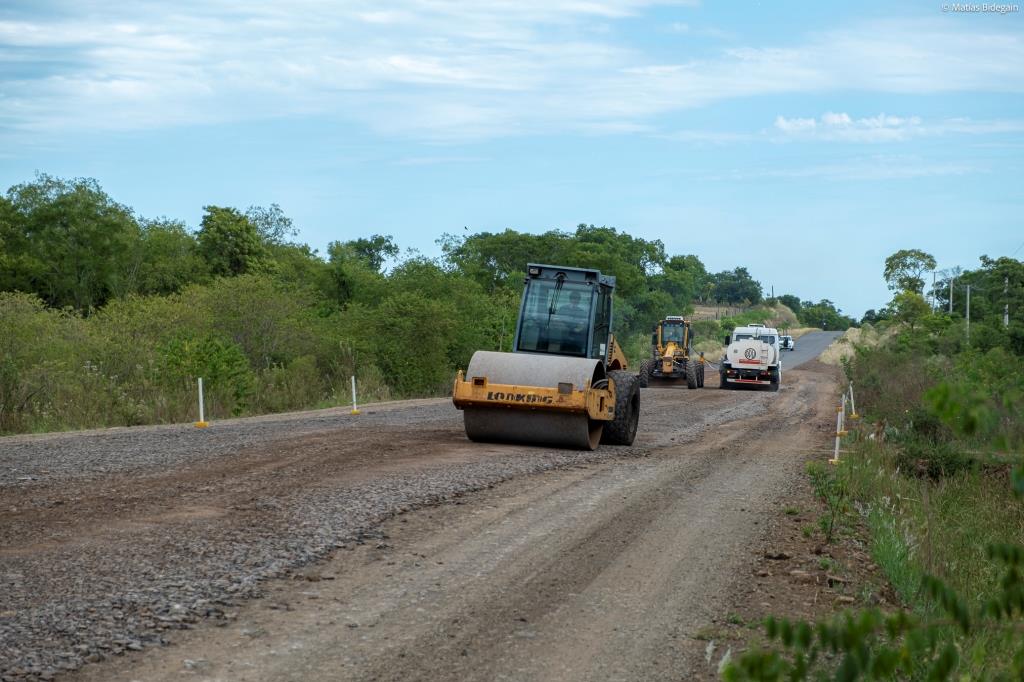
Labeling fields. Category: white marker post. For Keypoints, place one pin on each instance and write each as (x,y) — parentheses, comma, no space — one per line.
(840,413)
(201,424)
(835,454)
(853,404)
(355,408)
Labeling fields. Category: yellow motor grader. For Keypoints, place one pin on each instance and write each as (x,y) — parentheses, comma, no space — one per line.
(565,383)
(672,359)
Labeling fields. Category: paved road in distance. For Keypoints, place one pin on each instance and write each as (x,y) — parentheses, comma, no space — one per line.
(808,347)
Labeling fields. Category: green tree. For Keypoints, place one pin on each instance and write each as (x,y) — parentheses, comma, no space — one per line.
(271,223)
(349,278)
(167,259)
(736,286)
(374,251)
(823,314)
(67,241)
(300,265)
(904,269)
(230,243)
(910,308)
(498,259)
(791,302)
(874,317)
(683,278)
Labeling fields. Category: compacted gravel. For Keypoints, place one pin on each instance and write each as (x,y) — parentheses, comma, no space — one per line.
(108,539)
(59,456)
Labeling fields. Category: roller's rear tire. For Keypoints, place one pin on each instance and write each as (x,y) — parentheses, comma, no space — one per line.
(700,375)
(691,373)
(622,430)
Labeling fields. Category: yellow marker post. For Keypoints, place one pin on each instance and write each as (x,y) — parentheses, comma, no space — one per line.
(201,424)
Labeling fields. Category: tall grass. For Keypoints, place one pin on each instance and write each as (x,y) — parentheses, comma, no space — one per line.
(920,526)
(931,490)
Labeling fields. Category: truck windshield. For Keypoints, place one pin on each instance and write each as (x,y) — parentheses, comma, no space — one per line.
(556,318)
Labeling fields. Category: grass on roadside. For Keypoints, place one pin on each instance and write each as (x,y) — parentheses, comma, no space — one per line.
(921,526)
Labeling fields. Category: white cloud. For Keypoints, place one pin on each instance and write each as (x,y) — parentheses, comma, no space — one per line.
(842,127)
(446,69)
(795,125)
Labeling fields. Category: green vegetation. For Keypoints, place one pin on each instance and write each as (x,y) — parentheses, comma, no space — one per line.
(936,472)
(107,318)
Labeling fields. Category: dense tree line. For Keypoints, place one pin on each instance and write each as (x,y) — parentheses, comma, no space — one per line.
(996,299)
(101,301)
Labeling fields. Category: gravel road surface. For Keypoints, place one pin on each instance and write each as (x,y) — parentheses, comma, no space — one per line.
(579,566)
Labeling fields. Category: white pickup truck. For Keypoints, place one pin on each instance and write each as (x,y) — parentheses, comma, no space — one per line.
(753,357)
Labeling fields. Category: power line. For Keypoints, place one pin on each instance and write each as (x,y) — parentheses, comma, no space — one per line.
(1018,249)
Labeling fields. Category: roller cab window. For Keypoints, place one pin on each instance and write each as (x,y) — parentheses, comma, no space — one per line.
(556,318)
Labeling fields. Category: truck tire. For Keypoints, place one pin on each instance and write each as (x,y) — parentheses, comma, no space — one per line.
(691,373)
(622,429)
(644,377)
(722,383)
(774,386)
(700,375)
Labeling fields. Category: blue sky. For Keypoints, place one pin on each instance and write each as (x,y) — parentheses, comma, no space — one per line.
(804,141)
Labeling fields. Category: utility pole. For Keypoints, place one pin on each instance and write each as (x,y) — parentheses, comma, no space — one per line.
(968,314)
(1006,301)
(935,300)
(952,280)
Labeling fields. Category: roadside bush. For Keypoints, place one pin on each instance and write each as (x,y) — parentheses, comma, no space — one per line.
(228,382)
(934,460)
(292,387)
(890,383)
(704,330)
(40,349)
(921,423)
(272,322)
(408,337)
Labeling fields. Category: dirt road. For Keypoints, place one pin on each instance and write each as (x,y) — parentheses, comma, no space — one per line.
(577,566)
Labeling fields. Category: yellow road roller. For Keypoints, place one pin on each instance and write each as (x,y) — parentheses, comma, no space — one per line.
(565,382)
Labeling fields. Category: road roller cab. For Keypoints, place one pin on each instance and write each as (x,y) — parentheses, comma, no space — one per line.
(565,381)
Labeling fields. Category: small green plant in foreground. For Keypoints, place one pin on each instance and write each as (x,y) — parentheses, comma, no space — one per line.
(834,492)
(870,644)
